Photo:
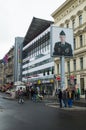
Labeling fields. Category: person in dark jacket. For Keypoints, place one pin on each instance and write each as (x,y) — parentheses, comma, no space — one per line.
(60,97)
(65,97)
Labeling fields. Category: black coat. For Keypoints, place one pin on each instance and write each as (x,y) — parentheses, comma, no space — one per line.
(60,94)
(62,49)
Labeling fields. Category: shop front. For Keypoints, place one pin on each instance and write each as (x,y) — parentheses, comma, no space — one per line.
(46,85)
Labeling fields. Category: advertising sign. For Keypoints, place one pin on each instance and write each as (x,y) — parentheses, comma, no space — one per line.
(61,41)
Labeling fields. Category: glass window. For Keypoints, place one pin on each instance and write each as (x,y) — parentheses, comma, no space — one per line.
(67,25)
(68,66)
(57,68)
(81,40)
(81,63)
(44,72)
(74,63)
(47,72)
(80,19)
(74,43)
(73,23)
(52,70)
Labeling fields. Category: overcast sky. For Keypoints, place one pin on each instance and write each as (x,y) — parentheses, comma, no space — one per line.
(16,16)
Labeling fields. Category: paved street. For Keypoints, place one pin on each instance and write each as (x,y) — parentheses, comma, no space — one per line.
(39,116)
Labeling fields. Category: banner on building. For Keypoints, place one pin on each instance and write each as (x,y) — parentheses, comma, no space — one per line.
(61,41)
(5,59)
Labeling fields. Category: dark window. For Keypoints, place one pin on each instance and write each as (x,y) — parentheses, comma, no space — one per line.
(81,63)
(68,66)
(73,23)
(44,73)
(57,68)
(48,72)
(74,62)
(81,40)
(80,19)
(52,70)
(67,25)
(74,43)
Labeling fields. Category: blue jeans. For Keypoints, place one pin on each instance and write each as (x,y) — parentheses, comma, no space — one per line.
(65,101)
(70,102)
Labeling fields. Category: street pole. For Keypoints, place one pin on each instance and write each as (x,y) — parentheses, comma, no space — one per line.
(62,62)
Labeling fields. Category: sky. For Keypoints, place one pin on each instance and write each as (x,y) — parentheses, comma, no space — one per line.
(16,16)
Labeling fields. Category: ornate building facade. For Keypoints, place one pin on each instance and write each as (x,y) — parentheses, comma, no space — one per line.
(1,73)
(7,68)
(72,14)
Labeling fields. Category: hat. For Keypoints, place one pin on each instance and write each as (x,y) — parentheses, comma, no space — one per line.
(62,33)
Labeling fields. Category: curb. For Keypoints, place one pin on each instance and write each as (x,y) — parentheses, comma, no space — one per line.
(73,108)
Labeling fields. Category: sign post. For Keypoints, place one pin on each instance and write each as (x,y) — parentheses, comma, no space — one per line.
(62,47)
(62,62)
(58,78)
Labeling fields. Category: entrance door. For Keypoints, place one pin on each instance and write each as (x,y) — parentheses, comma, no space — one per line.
(82,85)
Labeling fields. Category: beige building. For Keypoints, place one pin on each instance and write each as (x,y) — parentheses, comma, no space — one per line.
(1,73)
(72,14)
(7,68)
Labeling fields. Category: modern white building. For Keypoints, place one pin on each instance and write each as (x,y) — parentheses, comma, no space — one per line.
(38,65)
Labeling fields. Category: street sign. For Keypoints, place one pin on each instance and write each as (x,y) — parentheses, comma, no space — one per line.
(58,78)
(72,77)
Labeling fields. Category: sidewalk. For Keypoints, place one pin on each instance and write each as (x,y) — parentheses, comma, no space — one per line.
(73,108)
(50,99)
(80,103)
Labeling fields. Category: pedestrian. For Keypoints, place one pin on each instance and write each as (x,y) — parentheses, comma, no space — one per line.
(60,97)
(70,102)
(21,94)
(65,97)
